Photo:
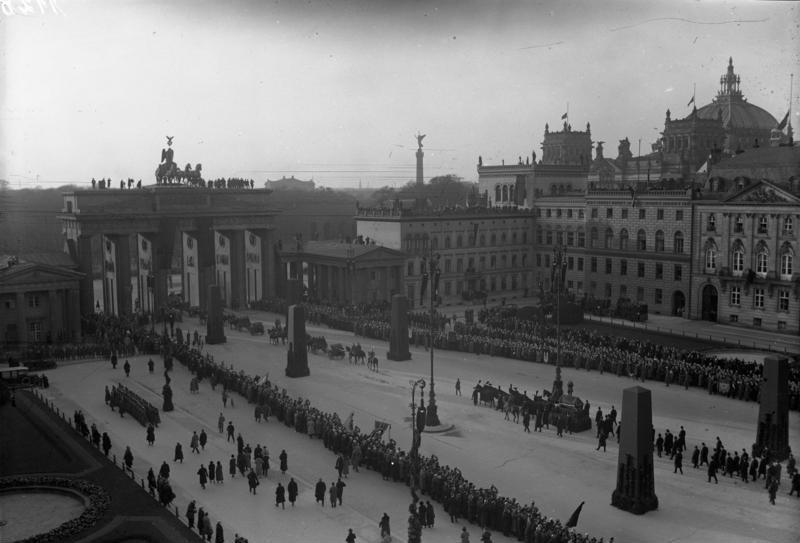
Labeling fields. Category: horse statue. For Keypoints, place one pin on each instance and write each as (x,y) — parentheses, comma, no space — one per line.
(191,176)
(167,172)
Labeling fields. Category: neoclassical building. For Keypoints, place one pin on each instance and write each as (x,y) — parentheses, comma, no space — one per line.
(746,242)
(480,249)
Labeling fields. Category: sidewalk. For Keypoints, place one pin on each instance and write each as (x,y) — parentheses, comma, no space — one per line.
(734,336)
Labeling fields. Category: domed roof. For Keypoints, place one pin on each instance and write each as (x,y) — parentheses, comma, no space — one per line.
(731,106)
(738,114)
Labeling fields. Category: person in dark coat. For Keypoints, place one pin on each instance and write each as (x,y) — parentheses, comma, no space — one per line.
(319,492)
(430,514)
(194,443)
(678,456)
(422,514)
(212,471)
(696,457)
(127,368)
(220,476)
(602,441)
(106,444)
(351,537)
(220,535)
(203,439)
(163,471)
(252,481)
(332,495)
(292,488)
(340,490)
(128,457)
(280,496)
(284,458)
(203,474)
(704,455)
(151,482)
(150,365)
(191,510)
(712,470)
(384,526)
(232,467)
(151,434)
(178,453)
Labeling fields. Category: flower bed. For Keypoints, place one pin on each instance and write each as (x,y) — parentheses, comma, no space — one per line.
(98,503)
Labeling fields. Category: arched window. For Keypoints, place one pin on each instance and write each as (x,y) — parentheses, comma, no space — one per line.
(762,260)
(641,240)
(483,240)
(623,239)
(787,262)
(514,237)
(677,243)
(593,238)
(446,242)
(503,238)
(505,193)
(763,224)
(581,237)
(497,193)
(659,241)
(459,241)
(511,193)
(737,258)
(609,239)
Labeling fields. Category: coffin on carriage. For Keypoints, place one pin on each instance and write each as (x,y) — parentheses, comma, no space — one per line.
(336,351)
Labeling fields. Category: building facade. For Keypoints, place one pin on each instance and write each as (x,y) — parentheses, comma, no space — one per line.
(746,242)
(137,249)
(39,299)
(348,273)
(482,252)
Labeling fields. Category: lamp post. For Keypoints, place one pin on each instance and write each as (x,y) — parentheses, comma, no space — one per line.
(432,417)
(557,276)
(417,425)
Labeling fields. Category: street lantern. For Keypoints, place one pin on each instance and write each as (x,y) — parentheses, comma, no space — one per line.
(558,274)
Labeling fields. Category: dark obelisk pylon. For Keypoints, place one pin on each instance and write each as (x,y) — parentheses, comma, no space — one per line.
(773,411)
(215,328)
(635,490)
(297,357)
(398,335)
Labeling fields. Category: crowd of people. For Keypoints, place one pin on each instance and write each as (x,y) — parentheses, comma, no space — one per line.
(461,498)
(500,335)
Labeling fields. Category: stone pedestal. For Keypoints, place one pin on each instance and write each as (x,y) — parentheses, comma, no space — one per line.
(398,338)
(297,357)
(773,411)
(635,490)
(215,328)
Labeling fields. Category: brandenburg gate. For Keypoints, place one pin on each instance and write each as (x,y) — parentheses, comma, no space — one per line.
(141,247)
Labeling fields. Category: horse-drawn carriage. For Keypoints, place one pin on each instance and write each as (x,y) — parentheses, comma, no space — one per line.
(316,344)
(257,329)
(573,411)
(242,324)
(356,354)
(336,351)
(277,334)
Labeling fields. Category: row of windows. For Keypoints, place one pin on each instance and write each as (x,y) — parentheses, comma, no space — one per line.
(491,284)
(558,212)
(505,261)
(622,292)
(763,224)
(622,243)
(622,267)
(762,264)
(419,243)
(660,215)
(759,298)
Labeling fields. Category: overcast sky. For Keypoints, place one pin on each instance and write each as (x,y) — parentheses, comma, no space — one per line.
(336,91)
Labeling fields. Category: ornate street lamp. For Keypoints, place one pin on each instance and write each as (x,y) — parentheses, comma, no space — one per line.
(557,276)
(417,425)
(432,275)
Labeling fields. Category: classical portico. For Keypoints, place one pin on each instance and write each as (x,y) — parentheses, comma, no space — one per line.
(140,248)
(344,272)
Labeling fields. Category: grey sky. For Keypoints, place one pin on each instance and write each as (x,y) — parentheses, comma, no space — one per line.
(337,90)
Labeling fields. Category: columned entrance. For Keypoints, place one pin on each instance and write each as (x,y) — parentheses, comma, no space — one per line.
(709,303)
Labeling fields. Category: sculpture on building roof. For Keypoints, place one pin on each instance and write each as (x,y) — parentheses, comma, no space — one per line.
(420,137)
